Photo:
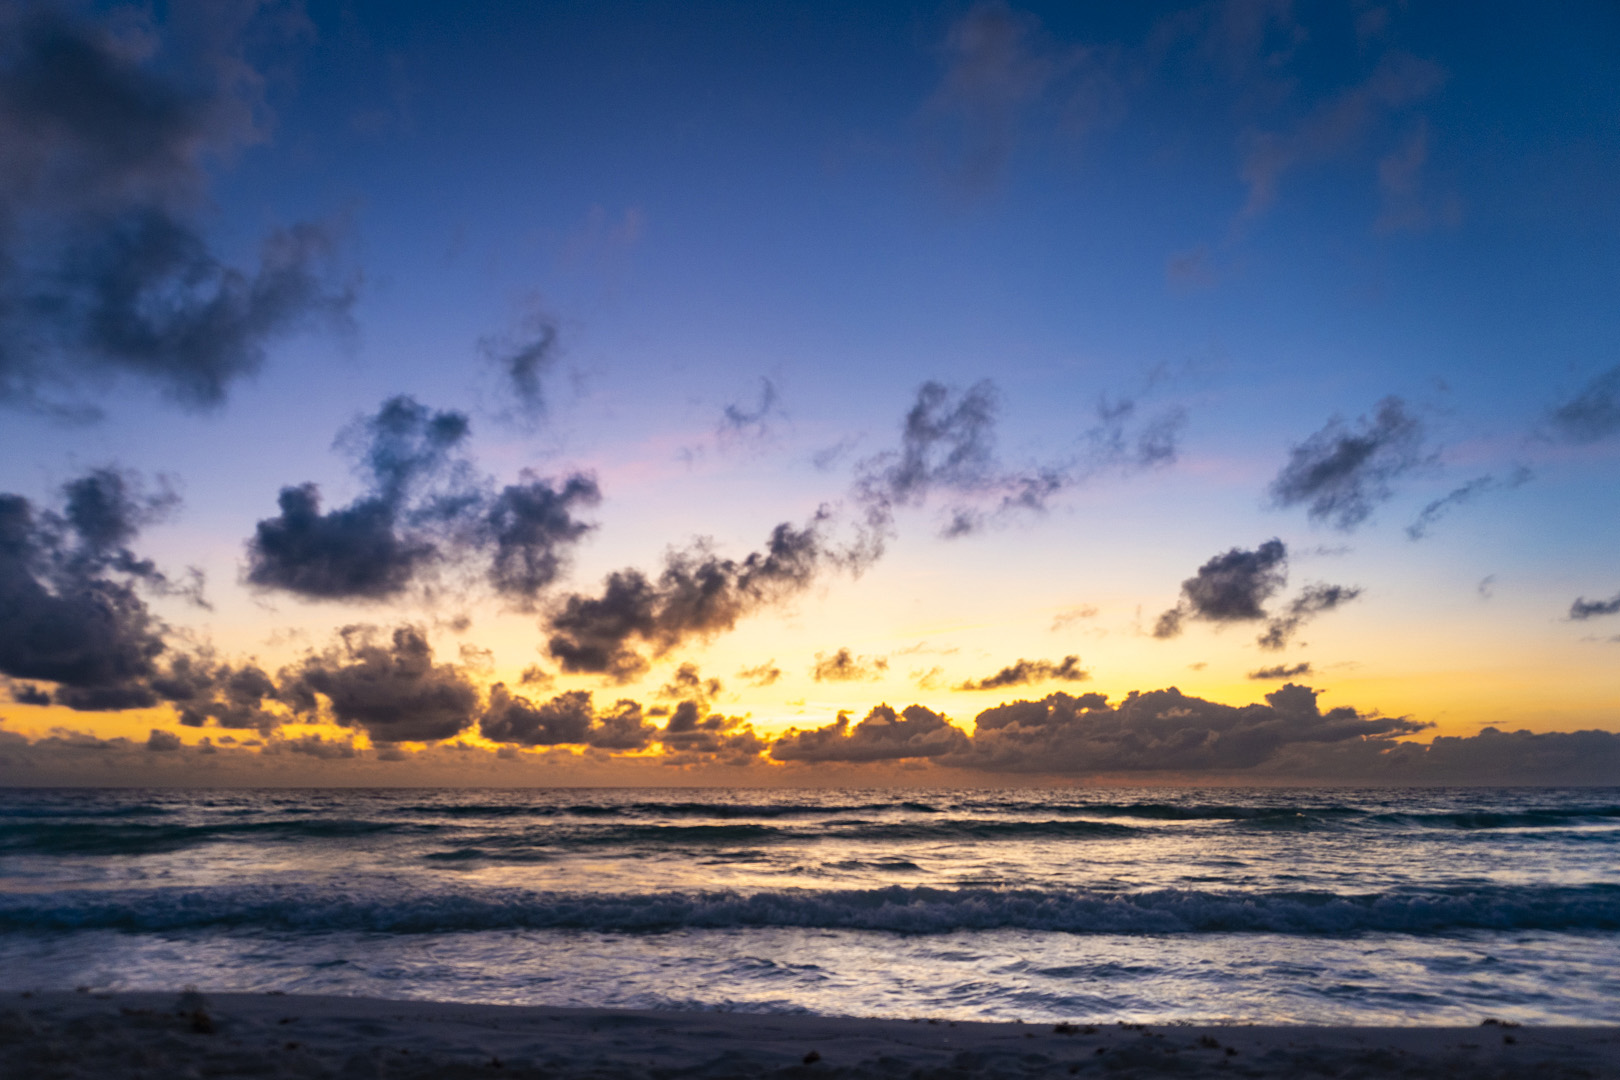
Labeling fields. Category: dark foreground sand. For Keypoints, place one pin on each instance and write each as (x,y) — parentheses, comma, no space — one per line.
(174,1037)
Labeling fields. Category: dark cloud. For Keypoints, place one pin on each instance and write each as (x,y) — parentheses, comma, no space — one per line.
(844,666)
(1340,475)
(105,167)
(162,742)
(1583,608)
(27,693)
(688,683)
(697,595)
(1442,506)
(424,506)
(315,747)
(947,440)
(71,605)
(523,359)
(916,732)
(231,696)
(1163,730)
(394,691)
(1232,587)
(1312,601)
(947,445)
(1593,414)
(566,718)
(530,526)
(1282,671)
(1025,672)
(765,674)
(693,735)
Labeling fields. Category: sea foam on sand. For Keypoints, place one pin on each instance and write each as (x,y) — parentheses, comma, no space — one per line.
(168,1036)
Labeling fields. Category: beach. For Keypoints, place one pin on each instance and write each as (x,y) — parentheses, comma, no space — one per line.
(69,1035)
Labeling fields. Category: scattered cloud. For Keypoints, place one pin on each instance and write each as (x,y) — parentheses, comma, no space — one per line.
(697,595)
(523,359)
(1312,601)
(1236,587)
(843,666)
(1026,672)
(1338,125)
(1072,615)
(738,421)
(393,690)
(1282,671)
(947,445)
(1340,475)
(1007,78)
(1439,508)
(1583,609)
(424,507)
(1593,414)
(765,674)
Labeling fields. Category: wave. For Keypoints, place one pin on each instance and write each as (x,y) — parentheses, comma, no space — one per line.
(896,909)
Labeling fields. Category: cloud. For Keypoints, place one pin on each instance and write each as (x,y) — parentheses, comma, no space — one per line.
(693,736)
(1593,414)
(1002,72)
(1341,475)
(162,742)
(843,666)
(1025,672)
(1073,615)
(688,683)
(109,142)
(1163,730)
(764,674)
(1232,587)
(315,746)
(71,605)
(515,719)
(231,696)
(946,440)
(947,445)
(424,506)
(523,359)
(530,526)
(1442,506)
(1338,125)
(1583,609)
(27,693)
(883,735)
(698,594)
(1236,587)
(1314,600)
(737,421)
(393,690)
(1282,671)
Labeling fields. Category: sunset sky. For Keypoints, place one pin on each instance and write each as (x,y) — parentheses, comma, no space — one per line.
(756,363)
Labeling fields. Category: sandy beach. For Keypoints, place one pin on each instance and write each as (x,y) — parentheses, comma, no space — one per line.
(162,1036)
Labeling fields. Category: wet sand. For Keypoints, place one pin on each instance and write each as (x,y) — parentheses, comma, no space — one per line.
(173,1036)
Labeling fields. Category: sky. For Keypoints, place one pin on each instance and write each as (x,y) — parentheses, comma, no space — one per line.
(832,394)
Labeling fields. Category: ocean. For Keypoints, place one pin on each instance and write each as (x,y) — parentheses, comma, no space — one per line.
(1325,906)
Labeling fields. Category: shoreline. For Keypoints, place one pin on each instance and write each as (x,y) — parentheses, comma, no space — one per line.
(111,1036)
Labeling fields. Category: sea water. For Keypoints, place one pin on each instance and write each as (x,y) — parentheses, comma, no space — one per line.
(1153,905)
